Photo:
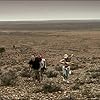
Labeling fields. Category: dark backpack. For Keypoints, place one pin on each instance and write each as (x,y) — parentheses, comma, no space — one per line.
(36,63)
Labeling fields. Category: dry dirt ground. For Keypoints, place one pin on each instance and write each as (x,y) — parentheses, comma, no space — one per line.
(16,82)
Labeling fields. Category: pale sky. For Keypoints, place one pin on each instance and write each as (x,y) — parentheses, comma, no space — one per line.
(49,10)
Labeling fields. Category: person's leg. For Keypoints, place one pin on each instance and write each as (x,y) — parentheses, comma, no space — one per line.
(41,74)
(34,76)
(67,74)
(38,75)
(64,73)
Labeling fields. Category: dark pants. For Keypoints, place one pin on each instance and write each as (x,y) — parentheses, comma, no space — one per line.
(36,75)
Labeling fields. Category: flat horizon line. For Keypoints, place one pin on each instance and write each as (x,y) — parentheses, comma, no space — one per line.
(49,20)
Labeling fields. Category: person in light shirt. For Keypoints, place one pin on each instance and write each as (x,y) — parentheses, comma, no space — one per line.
(66,61)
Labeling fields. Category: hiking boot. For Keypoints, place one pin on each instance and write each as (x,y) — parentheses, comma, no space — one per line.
(64,80)
(68,82)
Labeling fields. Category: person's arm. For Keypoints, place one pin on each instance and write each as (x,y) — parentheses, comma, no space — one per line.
(72,55)
(62,61)
(44,63)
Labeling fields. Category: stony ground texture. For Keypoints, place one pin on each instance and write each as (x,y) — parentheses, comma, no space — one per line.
(16,82)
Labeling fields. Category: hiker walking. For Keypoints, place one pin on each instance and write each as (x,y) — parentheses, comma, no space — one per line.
(66,61)
(34,63)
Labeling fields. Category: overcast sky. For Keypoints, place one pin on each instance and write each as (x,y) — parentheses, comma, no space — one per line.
(49,10)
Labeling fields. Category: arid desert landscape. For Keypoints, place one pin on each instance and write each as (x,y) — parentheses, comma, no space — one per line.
(19,40)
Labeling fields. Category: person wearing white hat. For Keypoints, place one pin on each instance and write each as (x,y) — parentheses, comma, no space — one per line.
(66,66)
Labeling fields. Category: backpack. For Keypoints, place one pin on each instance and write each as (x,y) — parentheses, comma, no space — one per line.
(36,63)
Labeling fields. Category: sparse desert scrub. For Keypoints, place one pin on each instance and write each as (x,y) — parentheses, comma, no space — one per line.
(77,84)
(26,72)
(51,74)
(58,68)
(37,89)
(94,73)
(57,44)
(86,92)
(82,79)
(51,87)
(2,49)
(8,78)
(0,71)
(70,97)
(76,66)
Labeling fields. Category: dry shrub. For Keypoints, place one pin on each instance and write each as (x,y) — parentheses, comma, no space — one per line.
(95,75)
(51,74)
(2,49)
(94,72)
(77,84)
(2,63)
(0,71)
(51,87)
(58,68)
(68,98)
(81,80)
(93,68)
(8,78)
(76,87)
(74,66)
(87,92)
(37,90)
(25,72)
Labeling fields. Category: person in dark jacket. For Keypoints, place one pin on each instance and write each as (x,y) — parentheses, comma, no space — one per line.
(34,63)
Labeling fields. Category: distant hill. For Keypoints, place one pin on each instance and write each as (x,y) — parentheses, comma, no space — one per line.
(51,25)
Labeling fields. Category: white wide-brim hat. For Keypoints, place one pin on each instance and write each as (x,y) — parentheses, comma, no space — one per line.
(65,55)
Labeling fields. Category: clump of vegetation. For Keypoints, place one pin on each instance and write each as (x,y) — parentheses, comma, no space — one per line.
(95,74)
(87,92)
(51,74)
(78,82)
(58,68)
(68,98)
(0,72)
(37,90)
(76,87)
(76,66)
(8,78)
(51,87)
(2,49)
(25,72)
